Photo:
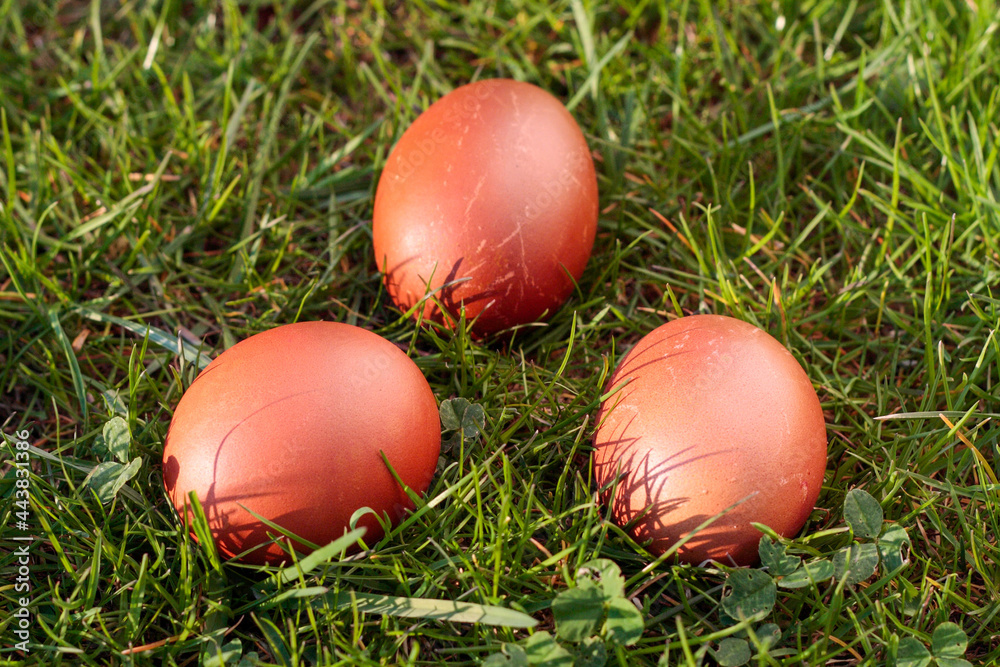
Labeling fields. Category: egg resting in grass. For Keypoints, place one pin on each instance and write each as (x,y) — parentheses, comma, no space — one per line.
(489,200)
(714,411)
(291,424)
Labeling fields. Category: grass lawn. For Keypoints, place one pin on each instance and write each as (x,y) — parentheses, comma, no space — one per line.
(199,172)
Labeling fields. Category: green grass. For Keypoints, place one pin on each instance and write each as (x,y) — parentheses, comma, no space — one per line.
(826,170)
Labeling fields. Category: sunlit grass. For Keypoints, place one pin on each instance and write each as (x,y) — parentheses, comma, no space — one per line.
(827,171)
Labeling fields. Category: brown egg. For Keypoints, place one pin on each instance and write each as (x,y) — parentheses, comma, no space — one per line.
(714,411)
(290,424)
(492,192)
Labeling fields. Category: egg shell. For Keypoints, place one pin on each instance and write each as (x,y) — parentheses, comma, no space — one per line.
(714,411)
(290,424)
(494,186)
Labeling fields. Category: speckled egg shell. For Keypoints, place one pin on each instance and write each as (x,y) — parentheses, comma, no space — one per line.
(715,411)
(492,192)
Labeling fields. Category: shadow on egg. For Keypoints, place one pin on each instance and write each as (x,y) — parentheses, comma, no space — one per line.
(454,292)
(296,424)
(715,421)
(495,181)
(262,543)
(171,468)
(270,489)
(644,504)
(266,546)
(235,530)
